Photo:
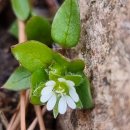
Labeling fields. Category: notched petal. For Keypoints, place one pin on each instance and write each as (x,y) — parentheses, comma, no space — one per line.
(62,106)
(70,83)
(46,97)
(74,95)
(47,90)
(50,83)
(51,103)
(70,102)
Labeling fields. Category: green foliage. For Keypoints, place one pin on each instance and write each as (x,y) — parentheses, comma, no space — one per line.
(56,71)
(84,91)
(77,79)
(66,24)
(40,63)
(37,84)
(32,55)
(38,28)
(48,65)
(21,8)
(79,104)
(60,59)
(55,110)
(76,66)
(14,29)
(19,80)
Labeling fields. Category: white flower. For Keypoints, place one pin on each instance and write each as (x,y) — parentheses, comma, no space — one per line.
(62,88)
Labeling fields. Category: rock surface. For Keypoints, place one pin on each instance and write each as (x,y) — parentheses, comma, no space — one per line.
(105,47)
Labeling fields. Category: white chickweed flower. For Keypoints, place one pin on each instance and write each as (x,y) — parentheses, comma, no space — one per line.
(62,88)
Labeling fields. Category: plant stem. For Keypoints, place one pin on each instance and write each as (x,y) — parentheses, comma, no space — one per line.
(3,119)
(15,122)
(33,124)
(22,110)
(21,27)
(16,117)
(22,38)
(40,118)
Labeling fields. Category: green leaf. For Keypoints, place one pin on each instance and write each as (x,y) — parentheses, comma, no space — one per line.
(53,76)
(66,24)
(77,79)
(79,104)
(76,66)
(19,80)
(21,8)
(84,92)
(60,59)
(37,90)
(34,12)
(38,28)
(55,110)
(58,67)
(38,78)
(14,29)
(56,70)
(32,55)
(36,94)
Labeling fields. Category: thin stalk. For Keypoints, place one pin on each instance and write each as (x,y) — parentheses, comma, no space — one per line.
(33,124)
(16,117)
(40,118)
(22,38)
(22,110)
(4,119)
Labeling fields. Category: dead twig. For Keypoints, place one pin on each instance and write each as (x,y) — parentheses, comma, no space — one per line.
(33,124)
(3,119)
(16,117)
(40,118)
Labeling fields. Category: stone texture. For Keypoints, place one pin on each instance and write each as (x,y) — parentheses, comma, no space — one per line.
(105,47)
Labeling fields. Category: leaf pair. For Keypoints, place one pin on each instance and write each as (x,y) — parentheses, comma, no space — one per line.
(36,28)
(65,29)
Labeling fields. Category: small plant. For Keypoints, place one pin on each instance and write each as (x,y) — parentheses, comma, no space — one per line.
(53,80)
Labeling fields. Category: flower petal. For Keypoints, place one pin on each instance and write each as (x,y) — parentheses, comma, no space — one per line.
(51,103)
(61,80)
(70,83)
(46,97)
(47,90)
(70,87)
(70,102)
(74,95)
(62,106)
(50,83)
